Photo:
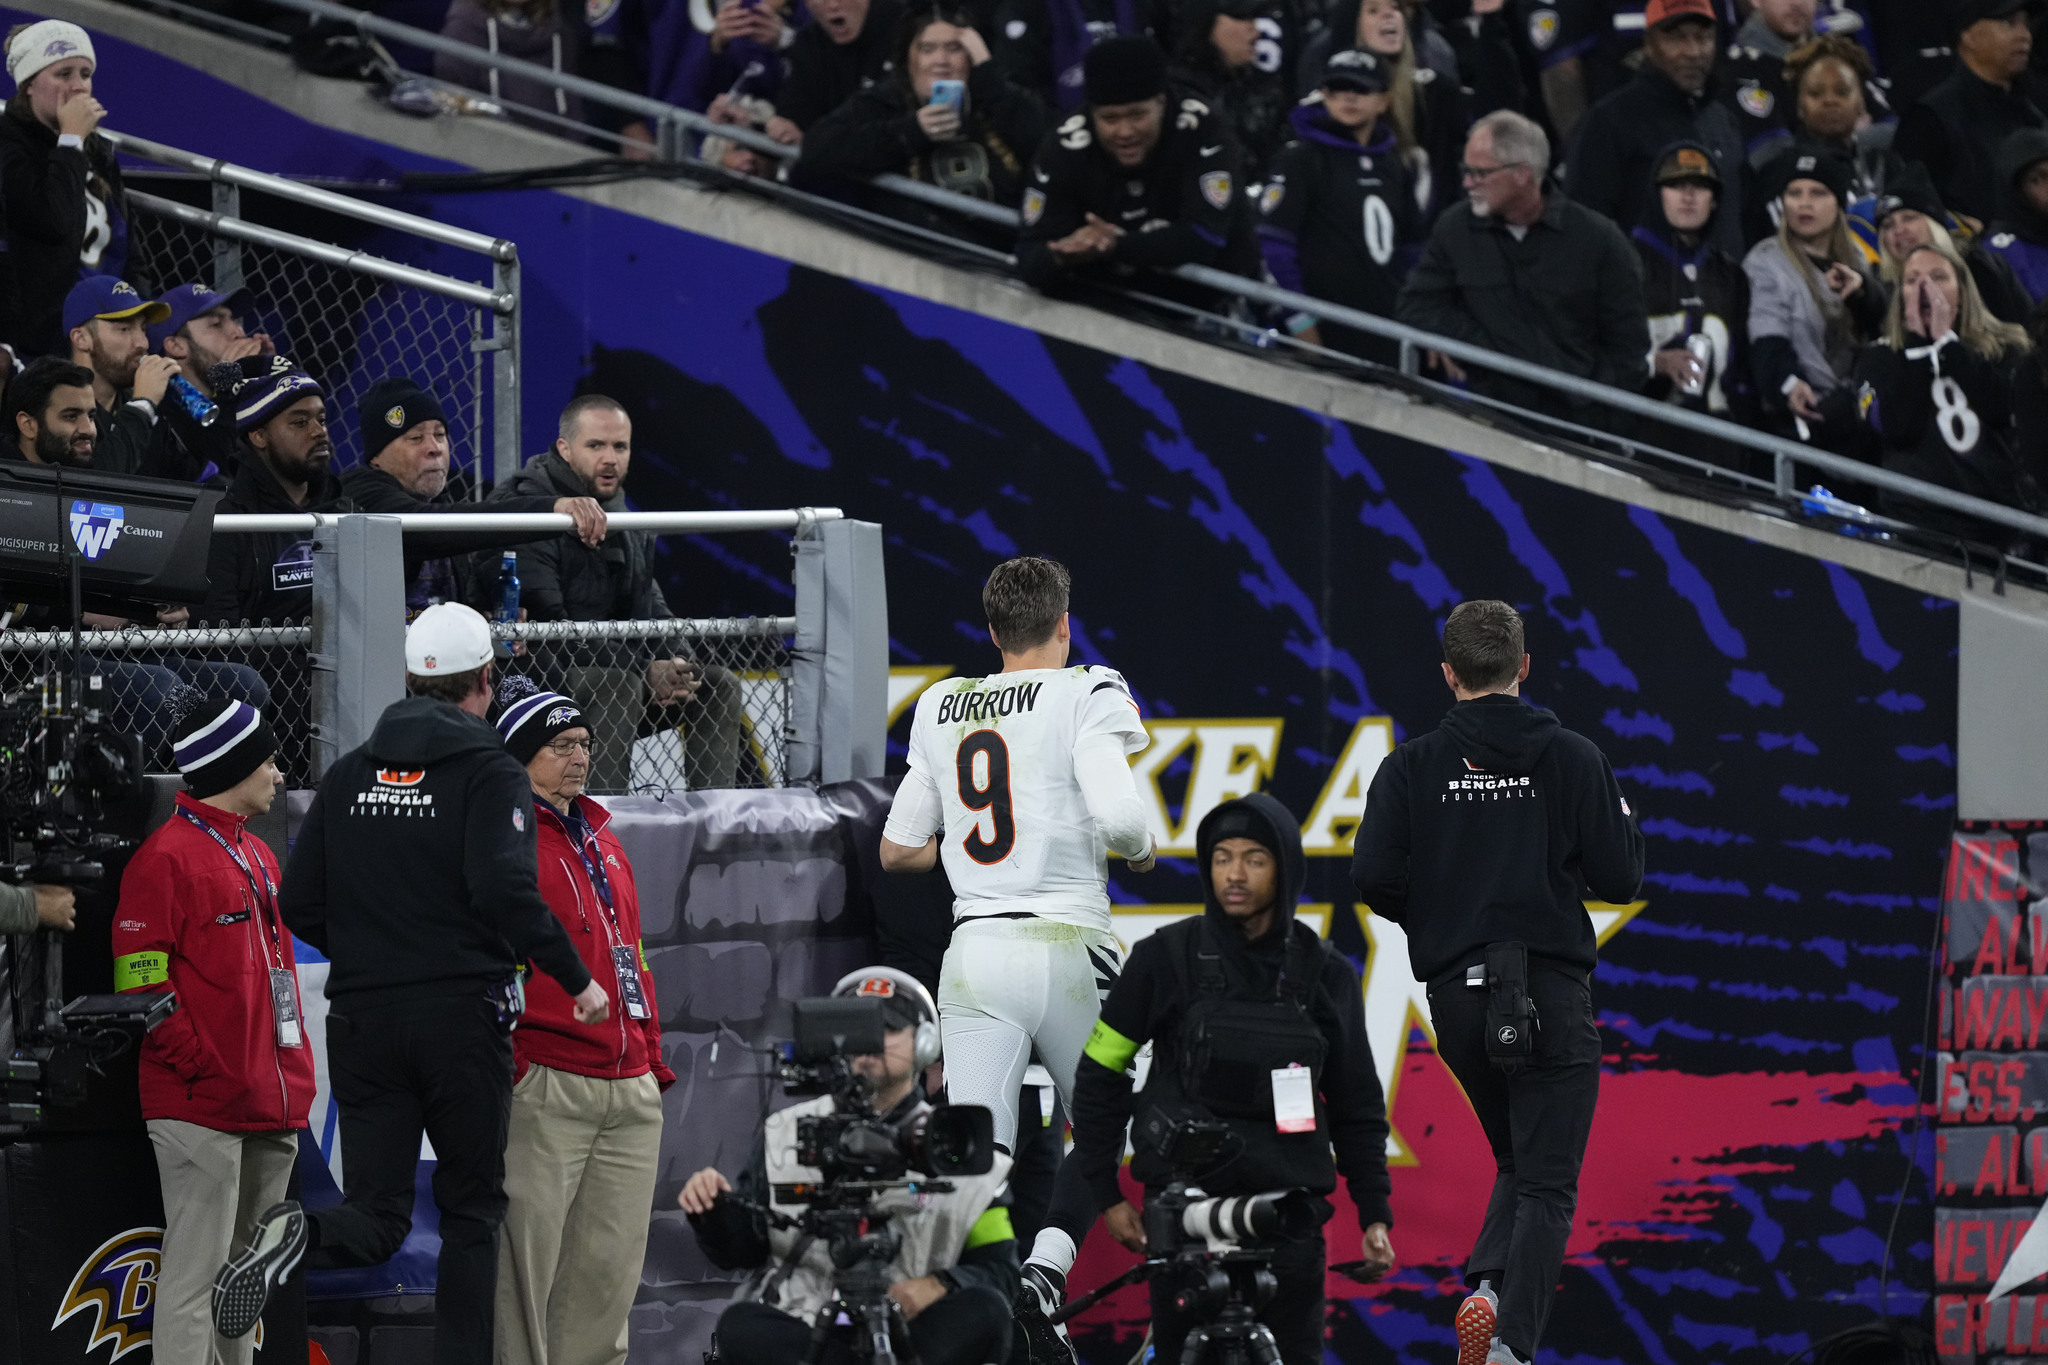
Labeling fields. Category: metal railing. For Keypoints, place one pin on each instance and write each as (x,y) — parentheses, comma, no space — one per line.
(675,704)
(673,123)
(349,316)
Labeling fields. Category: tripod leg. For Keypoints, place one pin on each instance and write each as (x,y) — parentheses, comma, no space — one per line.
(1196,1346)
(900,1326)
(880,1323)
(1264,1350)
(821,1331)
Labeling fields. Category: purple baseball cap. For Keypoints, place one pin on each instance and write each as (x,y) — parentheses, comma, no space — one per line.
(185,302)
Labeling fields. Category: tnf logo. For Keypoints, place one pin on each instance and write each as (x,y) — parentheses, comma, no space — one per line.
(95,526)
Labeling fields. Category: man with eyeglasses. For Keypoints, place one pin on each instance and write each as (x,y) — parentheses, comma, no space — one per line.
(585,1136)
(1532,276)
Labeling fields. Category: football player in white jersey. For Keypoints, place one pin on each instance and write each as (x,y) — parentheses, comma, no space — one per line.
(1021,783)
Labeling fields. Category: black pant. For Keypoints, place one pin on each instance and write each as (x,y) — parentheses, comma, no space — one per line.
(1041,1146)
(1295,1313)
(966,1327)
(1536,1122)
(442,1066)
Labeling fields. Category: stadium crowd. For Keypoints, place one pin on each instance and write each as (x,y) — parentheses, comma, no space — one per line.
(1824,219)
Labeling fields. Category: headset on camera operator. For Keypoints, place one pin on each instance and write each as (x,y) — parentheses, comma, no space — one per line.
(1258,1028)
(953,1275)
(1482,838)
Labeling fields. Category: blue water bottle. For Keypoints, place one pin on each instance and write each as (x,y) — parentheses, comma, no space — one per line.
(508,597)
(203,409)
(508,588)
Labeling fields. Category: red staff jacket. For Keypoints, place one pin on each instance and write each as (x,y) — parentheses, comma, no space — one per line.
(189,922)
(548,1034)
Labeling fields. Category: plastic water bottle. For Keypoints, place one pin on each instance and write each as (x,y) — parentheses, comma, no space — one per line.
(1817,501)
(508,588)
(202,409)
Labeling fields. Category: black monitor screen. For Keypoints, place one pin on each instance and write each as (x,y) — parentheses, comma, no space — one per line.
(137,539)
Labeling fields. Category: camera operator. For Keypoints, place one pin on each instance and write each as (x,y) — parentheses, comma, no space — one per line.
(1481,838)
(956,1271)
(415,871)
(1231,999)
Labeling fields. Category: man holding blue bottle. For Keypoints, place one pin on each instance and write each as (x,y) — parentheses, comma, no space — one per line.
(201,331)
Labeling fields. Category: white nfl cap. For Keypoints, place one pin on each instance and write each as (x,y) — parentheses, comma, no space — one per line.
(446,638)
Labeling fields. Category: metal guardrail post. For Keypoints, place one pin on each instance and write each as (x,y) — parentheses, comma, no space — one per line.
(506,438)
(1782,473)
(671,139)
(840,662)
(227,252)
(1411,359)
(358,653)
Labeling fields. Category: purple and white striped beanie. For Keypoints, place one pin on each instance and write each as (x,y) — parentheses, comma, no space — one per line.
(531,717)
(218,743)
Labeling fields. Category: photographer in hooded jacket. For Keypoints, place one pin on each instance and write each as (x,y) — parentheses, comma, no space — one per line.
(1256,1022)
(956,1271)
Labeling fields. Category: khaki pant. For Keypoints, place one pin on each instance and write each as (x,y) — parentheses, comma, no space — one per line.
(579,1175)
(216,1185)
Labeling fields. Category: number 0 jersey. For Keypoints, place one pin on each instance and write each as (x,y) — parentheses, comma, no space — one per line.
(998,752)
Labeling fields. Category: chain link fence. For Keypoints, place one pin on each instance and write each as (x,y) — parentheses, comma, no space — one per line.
(140,672)
(345,327)
(681,705)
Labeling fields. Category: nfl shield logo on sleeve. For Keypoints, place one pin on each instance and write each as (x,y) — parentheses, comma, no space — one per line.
(1216,188)
(519,819)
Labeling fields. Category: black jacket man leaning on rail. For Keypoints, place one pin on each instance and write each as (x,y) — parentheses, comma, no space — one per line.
(1230,1000)
(1481,839)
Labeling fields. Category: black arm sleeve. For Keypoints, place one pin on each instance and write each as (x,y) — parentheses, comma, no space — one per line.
(501,867)
(733,1236)
(1610,843)
(864,136)
(1352,1100)
(1054,182)
(1102,1094)
(125,441)
(302,899)
(1773,361)
(1624,319)
(992,1265)
(1867,306)
(1379,858)
(1432,300)
(44,195)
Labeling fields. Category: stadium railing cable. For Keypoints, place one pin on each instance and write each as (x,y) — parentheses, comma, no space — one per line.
(674,124)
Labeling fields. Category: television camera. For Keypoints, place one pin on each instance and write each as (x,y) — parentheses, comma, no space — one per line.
(76,539)
(1216,1250)
(863,1158)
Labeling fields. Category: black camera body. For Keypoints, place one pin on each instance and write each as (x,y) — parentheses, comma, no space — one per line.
(63,769)
(1216,1250)
(860,1155)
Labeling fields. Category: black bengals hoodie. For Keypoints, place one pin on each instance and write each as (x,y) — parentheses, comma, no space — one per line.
(415,871)
(1493,828)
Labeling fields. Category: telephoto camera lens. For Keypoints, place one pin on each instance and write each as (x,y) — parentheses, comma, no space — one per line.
(955,1139)
(1243,1218)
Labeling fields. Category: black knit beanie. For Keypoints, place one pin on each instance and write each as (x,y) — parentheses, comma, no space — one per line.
(1123,70)
(390,408)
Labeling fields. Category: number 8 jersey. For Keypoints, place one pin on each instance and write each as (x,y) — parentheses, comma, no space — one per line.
(997,769)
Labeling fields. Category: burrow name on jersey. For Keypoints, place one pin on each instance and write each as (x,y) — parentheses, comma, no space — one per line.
(973,705)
